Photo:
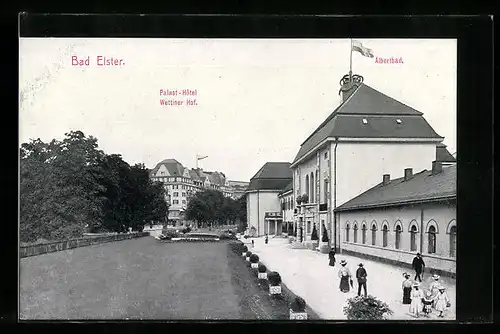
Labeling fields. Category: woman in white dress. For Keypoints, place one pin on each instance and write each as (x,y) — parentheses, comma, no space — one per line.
(433,287)
(442,301)
(416,300)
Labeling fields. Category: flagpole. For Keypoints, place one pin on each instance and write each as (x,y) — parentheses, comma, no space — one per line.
(350,65)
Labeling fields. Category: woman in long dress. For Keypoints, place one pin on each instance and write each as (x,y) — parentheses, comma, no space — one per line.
(442,301)
(416,300)
(331,257)
(407,284)
(433,287)
(345,276)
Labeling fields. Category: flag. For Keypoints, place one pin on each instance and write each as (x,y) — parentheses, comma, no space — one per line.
(199,157)
(357,46)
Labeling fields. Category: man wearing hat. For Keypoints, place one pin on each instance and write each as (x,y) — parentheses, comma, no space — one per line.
(419,265)
(361,276)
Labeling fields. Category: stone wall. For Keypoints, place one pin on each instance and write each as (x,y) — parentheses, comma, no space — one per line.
(33,250)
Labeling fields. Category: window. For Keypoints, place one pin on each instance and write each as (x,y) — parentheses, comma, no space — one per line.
(307,186)
(363,234)
(374,234)
(432,240)
(312,188)
(176,194)
(355,233)
(453,241)
(183,201)
(347,232)
(176,201)
(162,173)
(413,238)
(308,229)
(183,194)
(398,236)
(325,191)
(384,236)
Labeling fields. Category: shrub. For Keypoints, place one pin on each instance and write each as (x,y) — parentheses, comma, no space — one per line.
(172,234)
(299,199)
(298,304)
(274,278)
(254,258)
(262,268)
(305,198)
(244,249)
(249,254)
(314,233)
(366,308)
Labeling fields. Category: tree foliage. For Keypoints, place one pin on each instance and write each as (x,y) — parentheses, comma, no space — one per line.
(70,185)
(210,207)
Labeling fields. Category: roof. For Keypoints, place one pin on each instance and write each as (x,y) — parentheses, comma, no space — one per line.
(443,155)
(173,166)
(380,112)
(287,188)
(422,187)
(271,176)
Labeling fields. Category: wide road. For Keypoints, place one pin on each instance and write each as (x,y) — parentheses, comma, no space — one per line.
(142,279)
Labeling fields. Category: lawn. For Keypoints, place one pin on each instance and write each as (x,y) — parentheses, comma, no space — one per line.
(143,279)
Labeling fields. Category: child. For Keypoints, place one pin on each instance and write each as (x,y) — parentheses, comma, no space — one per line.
(416,300)
(427,301)
(442,301)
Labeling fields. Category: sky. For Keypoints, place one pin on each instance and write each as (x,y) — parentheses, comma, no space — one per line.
(257,100)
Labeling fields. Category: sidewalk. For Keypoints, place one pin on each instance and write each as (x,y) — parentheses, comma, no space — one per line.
(308,275)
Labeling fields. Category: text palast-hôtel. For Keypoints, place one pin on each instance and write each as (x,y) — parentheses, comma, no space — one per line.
(176,92)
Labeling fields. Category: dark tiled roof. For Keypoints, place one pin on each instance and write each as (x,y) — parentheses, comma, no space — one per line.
(422,187)
(287,188)
(173,166)
(272,176)
(381,113)
(443,155)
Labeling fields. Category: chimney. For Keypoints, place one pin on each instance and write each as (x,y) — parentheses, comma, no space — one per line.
(386,179)
(349,85)
(437,167)
(408,174)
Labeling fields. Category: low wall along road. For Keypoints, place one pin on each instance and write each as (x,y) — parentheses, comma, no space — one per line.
(33,250)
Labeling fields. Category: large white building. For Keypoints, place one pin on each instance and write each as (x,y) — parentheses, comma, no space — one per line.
(397,218)
(367,135)
(181,182)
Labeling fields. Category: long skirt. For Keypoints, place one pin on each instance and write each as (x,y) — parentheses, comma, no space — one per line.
(344,284)
(416,306)
(332,262)
(406,295)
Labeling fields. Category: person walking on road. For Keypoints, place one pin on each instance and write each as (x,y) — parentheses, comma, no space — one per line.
(345,277)
(407,284)
(442,301)
(419,265)
(361,276)
(416,300)
(434,288)
(331,257)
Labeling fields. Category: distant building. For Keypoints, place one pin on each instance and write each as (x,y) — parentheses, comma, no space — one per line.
(181,182)
(287,207)
(397,218)
(264,214)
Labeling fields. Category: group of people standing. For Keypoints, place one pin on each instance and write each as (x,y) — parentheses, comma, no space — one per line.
(424,302)
(434,298)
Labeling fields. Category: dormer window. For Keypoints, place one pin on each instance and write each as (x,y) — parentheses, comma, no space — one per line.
(365,121)
(399,121)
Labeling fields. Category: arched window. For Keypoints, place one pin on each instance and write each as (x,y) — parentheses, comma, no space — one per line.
(312,188)
(355,233)
(385,230)
(347,229)
(307,186)
(374,234)
(398,236)
(453,241)
(431,240)
(363,233)
(413,238)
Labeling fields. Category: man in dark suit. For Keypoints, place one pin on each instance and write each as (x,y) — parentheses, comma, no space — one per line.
(361,276)
(419,265)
